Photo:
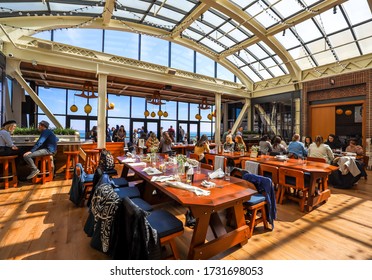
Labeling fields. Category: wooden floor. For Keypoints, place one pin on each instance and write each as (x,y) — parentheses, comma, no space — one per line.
(39,222)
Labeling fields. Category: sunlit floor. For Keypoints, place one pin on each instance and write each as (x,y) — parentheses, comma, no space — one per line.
(39,222)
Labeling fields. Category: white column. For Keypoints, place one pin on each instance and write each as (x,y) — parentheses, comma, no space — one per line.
(101,122)
(217,137)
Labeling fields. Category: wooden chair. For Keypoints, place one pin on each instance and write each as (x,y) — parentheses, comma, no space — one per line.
(46,167)
(194,156)
(206,166)
(211,159)
(365,165)
(271,172)
(71,160)
(8,163)
(291,179)
(255,205)
(91,160)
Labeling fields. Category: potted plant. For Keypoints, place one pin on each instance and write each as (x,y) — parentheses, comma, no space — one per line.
(30,134)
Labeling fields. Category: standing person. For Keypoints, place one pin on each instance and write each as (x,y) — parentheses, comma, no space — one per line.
(202,146)
(240,131)
(135,137)
(7,147)
(297,148)
(108,133)
(46,145)
(121,134)
(320,150)
(171,133)
(165,145)
(181,134)
(93,133)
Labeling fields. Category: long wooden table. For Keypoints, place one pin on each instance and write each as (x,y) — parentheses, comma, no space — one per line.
(317,170)
(228,195)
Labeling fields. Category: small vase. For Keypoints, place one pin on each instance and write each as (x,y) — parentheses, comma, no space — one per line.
(181,168)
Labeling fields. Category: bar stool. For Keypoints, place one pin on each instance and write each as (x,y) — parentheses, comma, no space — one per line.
(45,165)
(91,161)
(71,161)
(12,178)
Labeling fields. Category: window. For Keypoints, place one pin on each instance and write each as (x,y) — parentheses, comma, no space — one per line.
(54,99)
(148,53)
(204,65)
(182,58)
(84,38)
(121,43)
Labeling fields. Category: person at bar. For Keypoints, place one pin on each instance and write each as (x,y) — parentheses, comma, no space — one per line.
(7,146)
(46,145)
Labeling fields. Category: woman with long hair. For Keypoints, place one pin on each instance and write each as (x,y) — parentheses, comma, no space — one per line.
(278,146)
(152,143)
(7,147)
(165,145)
(229,145)
(121,134)
(239,144)
(202,146)
(308,141)
(320,150)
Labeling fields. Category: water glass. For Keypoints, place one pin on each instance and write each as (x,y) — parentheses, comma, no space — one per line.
(227,173)
(198,168)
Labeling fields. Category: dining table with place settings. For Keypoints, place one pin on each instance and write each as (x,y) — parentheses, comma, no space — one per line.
(205,201)
(316,170)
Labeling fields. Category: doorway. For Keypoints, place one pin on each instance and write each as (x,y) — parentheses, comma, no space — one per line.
(83,124)
(147,125)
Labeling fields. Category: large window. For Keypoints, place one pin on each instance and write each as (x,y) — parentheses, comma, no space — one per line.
(182,58)
(83,38)
(121,43)
(204,65)
(149,44)
(224,74)
(121,106)
(54,99)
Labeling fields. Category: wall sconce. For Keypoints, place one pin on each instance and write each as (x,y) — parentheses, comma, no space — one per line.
(332,81)
(348,112)
(339,111)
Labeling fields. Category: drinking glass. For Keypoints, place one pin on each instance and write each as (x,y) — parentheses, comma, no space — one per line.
(227,173)
(198,168)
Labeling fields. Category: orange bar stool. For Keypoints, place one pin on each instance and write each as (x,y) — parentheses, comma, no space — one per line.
(45,165)
(6,177)
(91,161)
(71,161)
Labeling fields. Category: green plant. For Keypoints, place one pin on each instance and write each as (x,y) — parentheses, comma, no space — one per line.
(64,131)
(26,131)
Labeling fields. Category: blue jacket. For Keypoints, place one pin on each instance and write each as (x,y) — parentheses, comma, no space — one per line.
(297,148)
(47,140)
(264,186)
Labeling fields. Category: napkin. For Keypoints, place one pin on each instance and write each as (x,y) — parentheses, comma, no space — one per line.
(217,174)
(129,154)
(137,164)
(162,178)
(151,171)
(128,160)
(196,190)
(208,184)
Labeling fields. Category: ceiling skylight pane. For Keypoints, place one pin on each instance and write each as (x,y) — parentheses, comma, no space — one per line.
(325,57)
(307,31)
(225,41)
(341,38)
(347,51)
(212,45)
(357,10)
(27,6)
(170,14)
(267,18)
(213,19)
(128,15)
(276,71)
(317,46)
(363,31)
(247,57)
(183,5)
(300,58)
(264,73)
(234,60)
(157,22)
(251,74)
(289,40)
(280,62)
(331,22)
(59,7)
(257,51)
(267,48)
(139,5)
(287,8)
(238,35)
(204,29)
(366,45)
(304,63)
(240,3)
(192,34)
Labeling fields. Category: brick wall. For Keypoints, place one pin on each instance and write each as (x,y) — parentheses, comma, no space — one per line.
(344,86)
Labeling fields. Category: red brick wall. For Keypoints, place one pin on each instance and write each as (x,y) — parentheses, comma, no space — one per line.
(346,85)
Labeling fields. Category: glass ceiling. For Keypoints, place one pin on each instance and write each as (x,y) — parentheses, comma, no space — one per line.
(309,38)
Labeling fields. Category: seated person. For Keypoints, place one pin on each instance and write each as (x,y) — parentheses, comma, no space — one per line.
(165,145)
(265,145)
(308,141)
(333,142)
(297,148)
(229,145)
(202,146)
(239,144)
(278,147)
(320,150)
(354,148)
(7,146)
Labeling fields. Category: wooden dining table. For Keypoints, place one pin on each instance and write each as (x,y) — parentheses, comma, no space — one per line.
(317,170)
(226,195)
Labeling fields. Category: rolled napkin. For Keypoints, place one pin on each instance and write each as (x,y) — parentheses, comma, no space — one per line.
(151,171)
(208,184)
(128,160)
(162,178)
(217,174)
(183,186)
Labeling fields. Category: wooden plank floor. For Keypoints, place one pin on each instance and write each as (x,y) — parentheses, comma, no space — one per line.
(39,222)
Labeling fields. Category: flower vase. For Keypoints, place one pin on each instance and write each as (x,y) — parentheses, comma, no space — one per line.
(153,158)
(181,168)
